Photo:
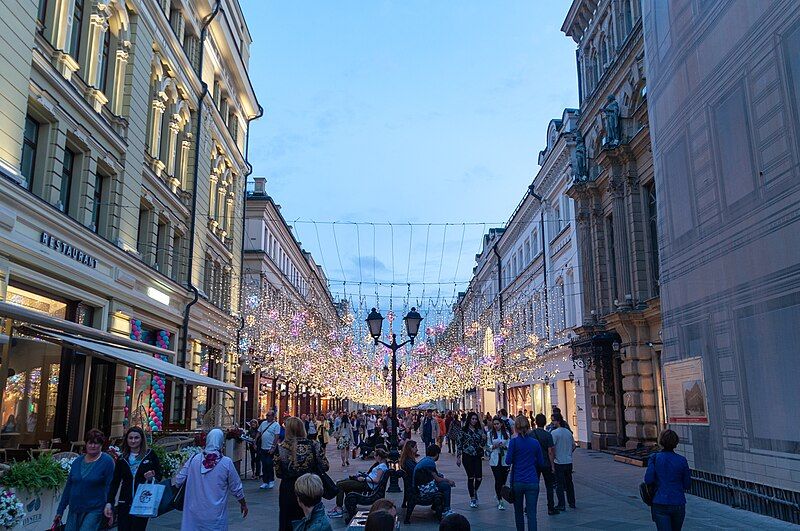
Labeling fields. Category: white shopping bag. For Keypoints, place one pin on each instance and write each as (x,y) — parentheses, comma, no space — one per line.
(147,499)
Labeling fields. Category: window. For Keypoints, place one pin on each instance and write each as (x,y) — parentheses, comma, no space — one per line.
(570,296)
(99,209)
(67,175)
(142,239)
(30,143)
(527,251)
(611,260)
(162,251)
(555,221)
(102,80)
(519,260)
(176,273)
(77,27)
(652,224)
(561,310)
(41,13)
(535,243)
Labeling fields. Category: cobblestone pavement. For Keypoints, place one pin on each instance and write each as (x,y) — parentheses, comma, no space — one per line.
(606,495)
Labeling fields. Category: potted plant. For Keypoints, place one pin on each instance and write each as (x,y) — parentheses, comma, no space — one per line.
(12,511)
(36,484)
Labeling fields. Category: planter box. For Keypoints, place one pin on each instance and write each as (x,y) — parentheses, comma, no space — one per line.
(40,509)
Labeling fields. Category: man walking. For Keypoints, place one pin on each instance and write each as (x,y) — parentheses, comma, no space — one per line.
(564,444)
(546,442)
(430,429)
(267,442)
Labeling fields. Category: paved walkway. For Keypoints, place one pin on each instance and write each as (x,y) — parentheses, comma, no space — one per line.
(606,492)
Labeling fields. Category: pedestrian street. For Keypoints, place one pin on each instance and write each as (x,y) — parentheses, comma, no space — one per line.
(606,494)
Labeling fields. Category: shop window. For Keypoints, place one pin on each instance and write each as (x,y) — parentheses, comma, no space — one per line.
(74,48)
(33,300)
(30,146)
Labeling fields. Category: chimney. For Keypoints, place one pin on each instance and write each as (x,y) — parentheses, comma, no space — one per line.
(261,186)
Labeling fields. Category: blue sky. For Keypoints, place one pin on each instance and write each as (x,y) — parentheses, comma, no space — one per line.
(412,111)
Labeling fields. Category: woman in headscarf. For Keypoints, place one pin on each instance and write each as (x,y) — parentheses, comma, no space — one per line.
(209,478)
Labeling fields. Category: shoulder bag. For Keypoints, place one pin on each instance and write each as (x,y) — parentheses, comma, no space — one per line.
(648,491)
(507,490)
(179,497)
(329,487)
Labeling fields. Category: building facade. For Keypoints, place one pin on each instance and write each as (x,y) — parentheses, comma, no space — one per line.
(540,291)
(724,83)
(619,339)
(278,270)
(123,129)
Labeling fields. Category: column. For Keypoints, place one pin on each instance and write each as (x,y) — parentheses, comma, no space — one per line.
(98,26)
(120,67)
(172,146)
(621,253)
(155,126)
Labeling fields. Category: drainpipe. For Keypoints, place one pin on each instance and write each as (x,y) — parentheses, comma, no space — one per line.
(544,258)
(500,307)
(192,222)
(241,244)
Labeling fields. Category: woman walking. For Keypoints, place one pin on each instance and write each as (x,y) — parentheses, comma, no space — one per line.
(209,477)
(135,466)
(87,486)
(526,460)
(470,450)
(344,436)
(252,447)
(670,474)
(297,455)
(497,445)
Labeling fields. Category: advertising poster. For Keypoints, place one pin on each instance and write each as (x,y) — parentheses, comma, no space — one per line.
(686,392)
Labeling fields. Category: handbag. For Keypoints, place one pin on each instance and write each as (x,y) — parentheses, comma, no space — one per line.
(147,499)
(329,487)
(429,488)
(507,491)
(648,491)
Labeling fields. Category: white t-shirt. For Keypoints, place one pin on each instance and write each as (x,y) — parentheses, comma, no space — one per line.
(564,442)
(269,432)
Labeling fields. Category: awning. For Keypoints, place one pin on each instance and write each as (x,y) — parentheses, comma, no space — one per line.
(138,360)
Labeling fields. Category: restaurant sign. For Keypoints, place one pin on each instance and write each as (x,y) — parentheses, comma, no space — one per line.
(70,251)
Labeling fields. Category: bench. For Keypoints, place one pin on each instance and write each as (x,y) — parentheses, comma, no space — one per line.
(435,501)
(353,499)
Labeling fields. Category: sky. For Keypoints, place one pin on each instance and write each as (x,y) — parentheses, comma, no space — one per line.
(380,114)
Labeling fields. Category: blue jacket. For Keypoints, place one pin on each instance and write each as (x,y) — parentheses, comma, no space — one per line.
(670,473)
(85,494)
(316,520)
(525,455)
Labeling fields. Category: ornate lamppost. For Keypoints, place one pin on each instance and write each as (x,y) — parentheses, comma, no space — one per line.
(375,324)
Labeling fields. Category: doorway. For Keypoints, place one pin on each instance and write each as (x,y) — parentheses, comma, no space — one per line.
(568,405)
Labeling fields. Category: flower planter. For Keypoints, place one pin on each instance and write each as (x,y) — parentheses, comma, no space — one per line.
(40,509)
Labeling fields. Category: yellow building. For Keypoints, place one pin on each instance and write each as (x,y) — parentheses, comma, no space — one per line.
(123,134)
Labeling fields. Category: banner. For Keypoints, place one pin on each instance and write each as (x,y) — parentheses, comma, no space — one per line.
(686,392)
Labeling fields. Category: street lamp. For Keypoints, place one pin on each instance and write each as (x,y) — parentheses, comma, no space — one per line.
(375,324)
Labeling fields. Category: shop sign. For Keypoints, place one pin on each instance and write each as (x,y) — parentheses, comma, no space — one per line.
(70,251)
(686,392)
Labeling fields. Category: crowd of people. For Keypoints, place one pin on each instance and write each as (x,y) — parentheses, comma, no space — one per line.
(519,450)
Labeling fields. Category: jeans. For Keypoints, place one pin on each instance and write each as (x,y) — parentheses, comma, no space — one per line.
(500,475)
(84,521)
(451,445)
(267,466)
(444,487)
(668,517)
(549,485)
(427,441)
(525,497)
(564,482)
(473,466)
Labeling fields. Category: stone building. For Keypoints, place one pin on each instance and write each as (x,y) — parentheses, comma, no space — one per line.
(278,269)
(541,287)
(123,134)
(724,105)
(619,339)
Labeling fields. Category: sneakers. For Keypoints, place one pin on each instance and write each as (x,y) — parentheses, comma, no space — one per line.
(501,506)
(264,486)
(270,485)
(447,513)
(551,512)
(473,503)
(336,514)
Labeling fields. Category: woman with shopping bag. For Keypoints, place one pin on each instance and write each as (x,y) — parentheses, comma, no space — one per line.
(209,477)
(136,465)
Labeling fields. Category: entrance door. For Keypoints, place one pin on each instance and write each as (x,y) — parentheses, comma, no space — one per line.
(100,396)
(566,398)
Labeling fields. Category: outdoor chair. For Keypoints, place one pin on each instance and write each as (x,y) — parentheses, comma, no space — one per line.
(353,499)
